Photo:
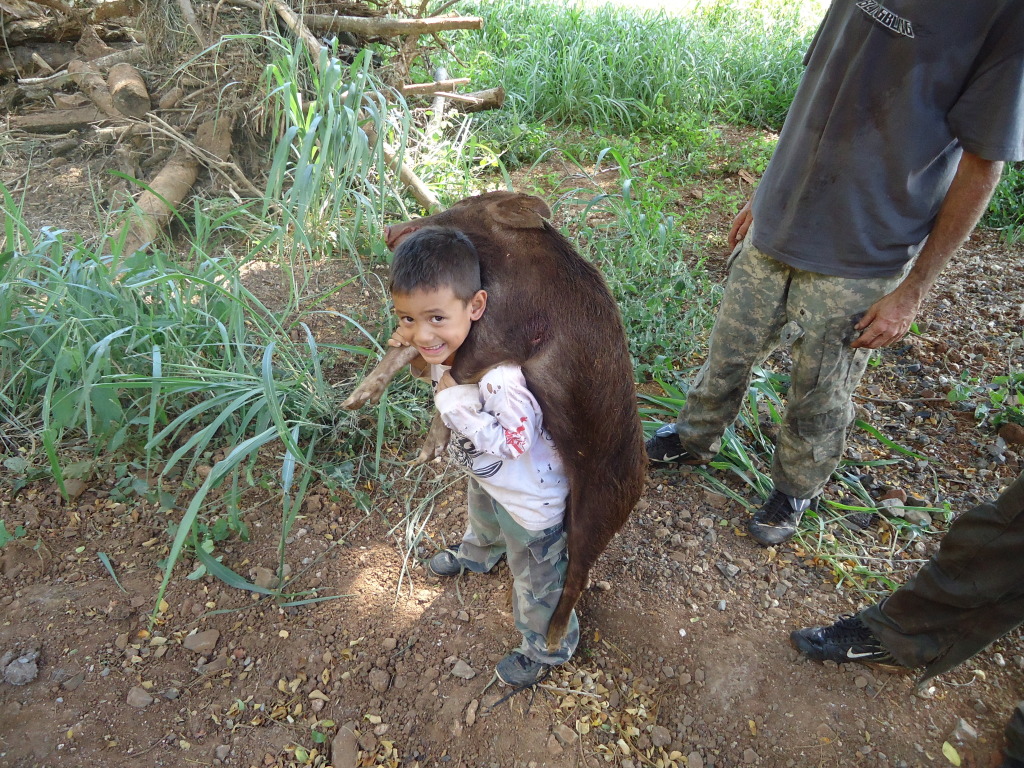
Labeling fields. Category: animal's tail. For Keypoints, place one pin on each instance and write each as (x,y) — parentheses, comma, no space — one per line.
(593,515)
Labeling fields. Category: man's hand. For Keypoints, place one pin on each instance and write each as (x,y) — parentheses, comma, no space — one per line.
(445,382)
(740,225)
(887,320)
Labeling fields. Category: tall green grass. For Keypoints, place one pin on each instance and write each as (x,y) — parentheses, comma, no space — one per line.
(166,360)
(611,68)
(1005,211)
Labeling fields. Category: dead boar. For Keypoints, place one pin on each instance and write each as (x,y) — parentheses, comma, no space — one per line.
(550,312)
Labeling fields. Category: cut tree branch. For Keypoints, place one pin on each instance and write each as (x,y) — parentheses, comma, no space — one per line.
(378,27)
(429,89)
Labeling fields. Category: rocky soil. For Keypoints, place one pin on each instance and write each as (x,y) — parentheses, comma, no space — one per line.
(685,658)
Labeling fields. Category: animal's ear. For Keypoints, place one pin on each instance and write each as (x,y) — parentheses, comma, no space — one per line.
(519,212)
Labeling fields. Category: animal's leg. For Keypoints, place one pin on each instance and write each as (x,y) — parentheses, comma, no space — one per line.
(373,386)
(435,441)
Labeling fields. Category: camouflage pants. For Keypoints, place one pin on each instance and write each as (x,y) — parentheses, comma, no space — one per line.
(767,303)
(968,595)
(538,561)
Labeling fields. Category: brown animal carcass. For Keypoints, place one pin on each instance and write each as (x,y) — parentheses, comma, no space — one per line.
(549,311)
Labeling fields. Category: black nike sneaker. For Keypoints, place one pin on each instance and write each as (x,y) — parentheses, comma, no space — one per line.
(845,641)
(663,447)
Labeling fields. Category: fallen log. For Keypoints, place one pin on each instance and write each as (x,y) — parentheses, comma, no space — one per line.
(157,205)
(429,89)
(491,98)
(128,90)
(55,29)
(380,27)
(92,84)
(20,60)
(57,121)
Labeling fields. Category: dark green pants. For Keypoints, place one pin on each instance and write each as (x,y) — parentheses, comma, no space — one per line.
(968,595)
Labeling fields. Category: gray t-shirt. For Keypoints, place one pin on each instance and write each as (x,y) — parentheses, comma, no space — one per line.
(891,96)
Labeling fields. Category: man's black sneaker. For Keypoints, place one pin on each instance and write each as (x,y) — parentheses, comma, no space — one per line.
(847,640)
(520,671)
(445,563)
(664,447)
(776,521)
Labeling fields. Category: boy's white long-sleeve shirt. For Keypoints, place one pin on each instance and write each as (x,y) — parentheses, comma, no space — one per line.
(498,436)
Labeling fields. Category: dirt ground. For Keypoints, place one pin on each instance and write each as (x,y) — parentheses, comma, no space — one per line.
(684,661)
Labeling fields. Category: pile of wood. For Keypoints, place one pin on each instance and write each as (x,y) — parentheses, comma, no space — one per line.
(86,70)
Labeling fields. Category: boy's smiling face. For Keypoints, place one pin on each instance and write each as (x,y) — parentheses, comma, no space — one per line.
(436,322)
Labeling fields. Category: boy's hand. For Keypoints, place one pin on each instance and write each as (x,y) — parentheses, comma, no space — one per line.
(445,382)
(397,340)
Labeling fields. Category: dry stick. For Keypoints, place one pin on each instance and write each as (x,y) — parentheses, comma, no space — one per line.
(377,27)
(191,21)
(428,89)
(424,196)
(91,83)
(231,172)
(58,121)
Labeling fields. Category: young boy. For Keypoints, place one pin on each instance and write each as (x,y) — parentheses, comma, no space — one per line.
(517,486)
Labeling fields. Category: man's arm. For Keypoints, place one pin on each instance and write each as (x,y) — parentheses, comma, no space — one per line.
(889,318)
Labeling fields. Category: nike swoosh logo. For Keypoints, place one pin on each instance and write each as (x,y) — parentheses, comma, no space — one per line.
(851,654)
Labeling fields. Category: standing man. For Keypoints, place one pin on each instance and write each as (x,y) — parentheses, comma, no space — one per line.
(890,152)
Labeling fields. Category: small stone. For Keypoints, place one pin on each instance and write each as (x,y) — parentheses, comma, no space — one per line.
(139,697)
(554,746)
(896,493)
(963,731)
(750,756)
(380,680)
(219,664)
(728,569)
(22,670)
(694,760)
(860,681)
(389,644)
(72,683)
(917,517)
(202,642)
(1012,433)
(222,752)
(264,577)
(462,616)
(344,747)
(462,670)
(661,736)
(74,487)
(471,710)
(721,605)
(604,586)
(565,734)
(999,660)
(121,642)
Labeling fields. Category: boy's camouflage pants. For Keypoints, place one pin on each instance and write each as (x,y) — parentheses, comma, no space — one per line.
(538,561)
(767,303)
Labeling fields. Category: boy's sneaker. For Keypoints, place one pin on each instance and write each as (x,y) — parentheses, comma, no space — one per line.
(664,447)
(520,671)
(776,521)
(847,640)
(445,563)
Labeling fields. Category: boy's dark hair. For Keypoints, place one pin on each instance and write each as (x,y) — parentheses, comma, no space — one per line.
(434,258)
